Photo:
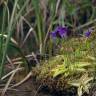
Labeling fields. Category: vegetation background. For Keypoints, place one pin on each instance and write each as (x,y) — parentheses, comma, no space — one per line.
(25,27)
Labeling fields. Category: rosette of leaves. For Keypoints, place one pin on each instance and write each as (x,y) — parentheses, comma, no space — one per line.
(76,60)
(83,84)
(72,65)
(92,42)
(63,68)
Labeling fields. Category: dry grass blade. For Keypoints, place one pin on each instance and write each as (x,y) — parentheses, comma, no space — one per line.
(38,90)
(9,60)
(20,58)
(29,32)
(57,6)
(8,83)
(1,2)
(25,79)
(9,89)
(43,6)
(17,69)
(12,40)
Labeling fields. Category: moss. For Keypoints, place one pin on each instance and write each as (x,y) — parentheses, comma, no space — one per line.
(73,54)
(45,69)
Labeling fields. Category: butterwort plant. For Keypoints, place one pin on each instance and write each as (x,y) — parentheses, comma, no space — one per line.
(58,34)
(87,34)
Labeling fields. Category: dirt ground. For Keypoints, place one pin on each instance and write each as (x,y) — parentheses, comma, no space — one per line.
(29,88)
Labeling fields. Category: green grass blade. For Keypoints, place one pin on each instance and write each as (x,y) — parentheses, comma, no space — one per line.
(8,39)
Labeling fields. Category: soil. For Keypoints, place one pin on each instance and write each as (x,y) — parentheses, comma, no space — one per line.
(31,88)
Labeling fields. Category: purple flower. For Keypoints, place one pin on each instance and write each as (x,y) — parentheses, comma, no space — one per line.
(88,32)
(60,32)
